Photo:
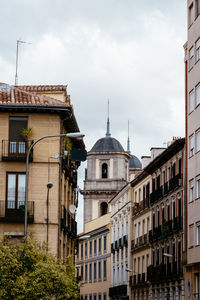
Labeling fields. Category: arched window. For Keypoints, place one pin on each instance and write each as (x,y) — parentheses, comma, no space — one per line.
(103,208)
(104,170)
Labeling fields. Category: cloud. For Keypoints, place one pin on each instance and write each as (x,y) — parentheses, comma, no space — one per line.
(128,51)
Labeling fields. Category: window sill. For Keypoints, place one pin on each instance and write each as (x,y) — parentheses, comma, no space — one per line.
(191,201)
(190,247)
(196,246)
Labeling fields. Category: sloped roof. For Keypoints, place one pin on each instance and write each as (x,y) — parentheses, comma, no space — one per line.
(43,88)
(21,95)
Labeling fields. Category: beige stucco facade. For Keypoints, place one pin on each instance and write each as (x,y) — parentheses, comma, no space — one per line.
(93,259)
(44,167)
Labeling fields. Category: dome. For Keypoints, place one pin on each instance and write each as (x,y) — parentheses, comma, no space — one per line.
(134,162)
(109,144)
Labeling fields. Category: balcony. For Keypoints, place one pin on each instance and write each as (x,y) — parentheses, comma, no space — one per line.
(118,291)
(166,229)
(140,242)
(68,224)
(16,150)
(162,191)
(137,280)
(11,214)
(163,272)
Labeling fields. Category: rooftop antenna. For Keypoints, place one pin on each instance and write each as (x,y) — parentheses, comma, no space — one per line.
(18,42)
(108,123)
(128,141)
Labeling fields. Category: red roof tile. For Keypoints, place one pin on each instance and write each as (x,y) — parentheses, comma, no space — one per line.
(21,95)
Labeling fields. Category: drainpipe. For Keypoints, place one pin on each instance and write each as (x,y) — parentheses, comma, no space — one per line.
(60,191)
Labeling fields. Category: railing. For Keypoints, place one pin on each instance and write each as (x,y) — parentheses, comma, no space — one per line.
(118,291)
(13,212)
(16,150)
(68,224)
(137,280)
(140,242)
(163,271)
(166,229)
(142,205)
(169,186)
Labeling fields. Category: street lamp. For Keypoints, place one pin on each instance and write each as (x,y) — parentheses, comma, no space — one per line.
(76,135)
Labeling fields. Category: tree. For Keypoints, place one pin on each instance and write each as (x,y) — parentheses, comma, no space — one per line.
(27,271)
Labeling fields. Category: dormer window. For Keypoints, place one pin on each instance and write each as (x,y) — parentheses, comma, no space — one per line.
(104,170)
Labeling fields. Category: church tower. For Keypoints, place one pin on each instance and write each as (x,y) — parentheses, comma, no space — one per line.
(107,172)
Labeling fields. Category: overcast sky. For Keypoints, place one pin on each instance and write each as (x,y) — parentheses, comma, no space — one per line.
(126,50)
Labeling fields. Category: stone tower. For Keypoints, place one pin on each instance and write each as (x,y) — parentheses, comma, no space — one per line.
(107,172)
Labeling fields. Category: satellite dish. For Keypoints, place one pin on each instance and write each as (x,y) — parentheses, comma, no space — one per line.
(72,209)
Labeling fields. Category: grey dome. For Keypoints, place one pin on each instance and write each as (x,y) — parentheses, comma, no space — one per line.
(109,144)
(134,162)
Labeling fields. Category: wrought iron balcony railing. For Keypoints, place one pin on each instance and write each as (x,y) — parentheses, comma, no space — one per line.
(16,150)
(13,212)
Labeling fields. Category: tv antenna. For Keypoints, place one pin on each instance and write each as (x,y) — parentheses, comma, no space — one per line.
(18,42)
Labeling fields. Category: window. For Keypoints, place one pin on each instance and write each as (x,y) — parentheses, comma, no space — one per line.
(198,233)
(86,249)
(86,273)
(198,140)
(90,248)
(81,251)
(90,297)
(191,230)
(95,271)
(191,141)
(81,272)
(95,297)
(191,55)
(191,190)
(104,170)
(191,14)
(85,297)
(16,139)
(99,270)
(198,50)
(15,190)
(99,296)
(104,243)
(90,272)
(197,2)
(95,247)
(103,208)
(104,296)
(168,212)
(198,94)
(191,101)
(198,187)
(104,270)
(100,245)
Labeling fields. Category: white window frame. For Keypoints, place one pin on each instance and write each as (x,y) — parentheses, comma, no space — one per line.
(197,46)
(198,233)
(198,140)
(191,14)
(191,235)
(191,101)
(198,186)
(191,58)
(191,144)
(197,94)
(191,196)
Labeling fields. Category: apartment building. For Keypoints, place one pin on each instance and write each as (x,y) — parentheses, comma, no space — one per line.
(139,232)
(166,238)
(192,101)
(93,259)
(28,113)
(120,224)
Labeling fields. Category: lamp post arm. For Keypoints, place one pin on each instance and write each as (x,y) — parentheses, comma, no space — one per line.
(26,187)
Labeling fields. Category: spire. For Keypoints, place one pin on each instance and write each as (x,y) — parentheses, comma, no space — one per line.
(128,141)
(108,123)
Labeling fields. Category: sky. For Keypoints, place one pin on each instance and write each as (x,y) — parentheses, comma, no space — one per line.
(127,51)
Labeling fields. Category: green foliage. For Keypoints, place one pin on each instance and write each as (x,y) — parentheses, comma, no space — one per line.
(27,132)
(27,271)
